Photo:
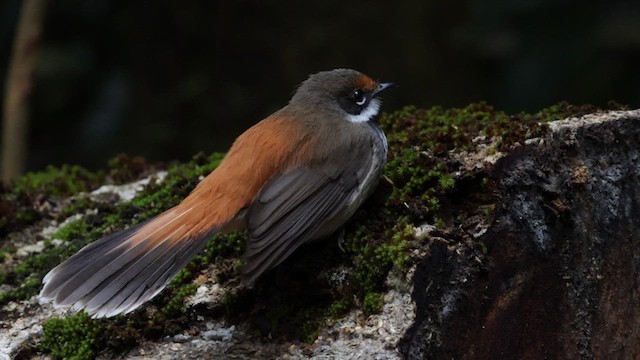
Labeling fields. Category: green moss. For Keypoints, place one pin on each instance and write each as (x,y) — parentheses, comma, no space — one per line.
(180,180)
(77,234)
(372,303)
(339,307)
(234,303)
(564,110)
(73,230)
(424,177)
(74,337)
(181,286)
(58,181)
(37,264)
(225,245)
(17,208)
(124,169)
(78,336)
(310,331)
(378,260)
(25,278)
(176,303)
(446,182)
(27,275)
(291,318)
(375,254)
(77,205)
(6,250)
(420,142)
(25,290)
(219,247)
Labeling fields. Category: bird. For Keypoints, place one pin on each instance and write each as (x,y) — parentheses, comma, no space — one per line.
(295,177)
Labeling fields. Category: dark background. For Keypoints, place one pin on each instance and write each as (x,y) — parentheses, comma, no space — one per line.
(167,79)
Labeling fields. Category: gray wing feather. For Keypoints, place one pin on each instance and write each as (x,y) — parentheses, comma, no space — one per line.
(282,195)
(293,208)
(288,236)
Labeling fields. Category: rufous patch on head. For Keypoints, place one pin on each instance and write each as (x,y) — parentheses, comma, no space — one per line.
(365,82)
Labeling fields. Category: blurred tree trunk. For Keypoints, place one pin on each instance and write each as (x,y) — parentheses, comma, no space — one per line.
(18,88)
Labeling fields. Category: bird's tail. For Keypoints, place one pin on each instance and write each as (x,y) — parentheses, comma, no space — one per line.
(118,273)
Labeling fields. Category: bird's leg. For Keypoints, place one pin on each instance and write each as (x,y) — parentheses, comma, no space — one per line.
(341,239)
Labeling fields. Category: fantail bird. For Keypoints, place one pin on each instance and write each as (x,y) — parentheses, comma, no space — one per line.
(292,178)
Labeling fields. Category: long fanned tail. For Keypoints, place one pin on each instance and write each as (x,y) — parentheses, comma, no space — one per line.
(118,273)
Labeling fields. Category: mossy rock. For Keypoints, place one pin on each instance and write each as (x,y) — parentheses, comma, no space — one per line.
(424,183)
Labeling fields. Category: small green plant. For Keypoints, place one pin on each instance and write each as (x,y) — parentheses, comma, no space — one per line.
(176,304)
(310,331)
(73,230)
(372,303)
(339,308)
(446,182)
(75,337)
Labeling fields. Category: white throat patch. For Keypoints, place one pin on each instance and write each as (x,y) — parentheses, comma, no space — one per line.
(369,113)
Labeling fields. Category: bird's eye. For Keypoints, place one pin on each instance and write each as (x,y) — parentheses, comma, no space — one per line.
(359,97)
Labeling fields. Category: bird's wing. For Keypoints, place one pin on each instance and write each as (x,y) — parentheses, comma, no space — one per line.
(292,208)
(116,274)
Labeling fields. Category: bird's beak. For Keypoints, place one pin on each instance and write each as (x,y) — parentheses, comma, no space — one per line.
(382,86)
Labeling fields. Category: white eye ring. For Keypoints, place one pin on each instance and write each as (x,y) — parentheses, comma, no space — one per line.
(361,99)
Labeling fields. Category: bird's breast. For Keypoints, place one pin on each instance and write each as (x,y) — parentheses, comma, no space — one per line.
(379,150)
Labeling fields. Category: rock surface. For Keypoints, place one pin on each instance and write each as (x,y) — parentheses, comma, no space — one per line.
(564,260)
(554,273)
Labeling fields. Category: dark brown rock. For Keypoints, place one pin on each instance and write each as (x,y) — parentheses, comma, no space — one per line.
(563,273)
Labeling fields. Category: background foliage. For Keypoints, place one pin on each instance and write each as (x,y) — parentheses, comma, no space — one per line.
(169,79)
